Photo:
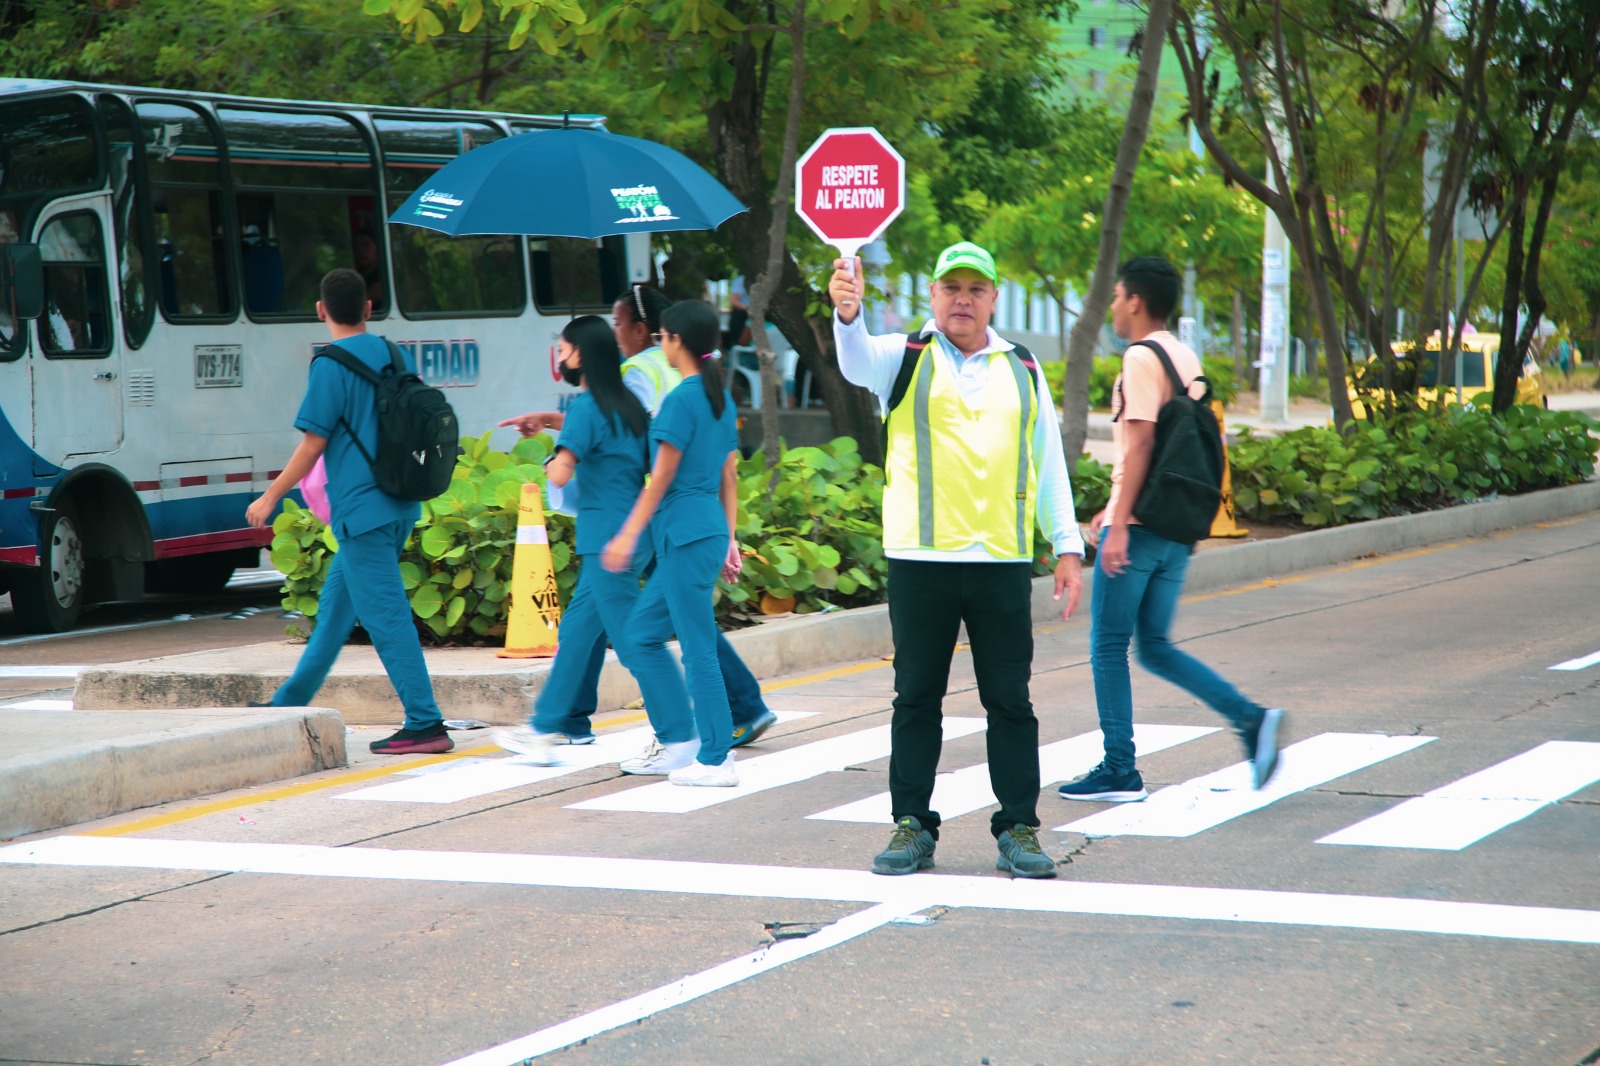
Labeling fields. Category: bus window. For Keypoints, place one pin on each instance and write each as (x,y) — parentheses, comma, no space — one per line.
(132,229)
(47,150)
(190,248)
(307,202)
(573,273)
(75,321)
(437,275)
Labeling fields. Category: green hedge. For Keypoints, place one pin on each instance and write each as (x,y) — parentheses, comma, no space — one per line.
(814,543)
(1418,461)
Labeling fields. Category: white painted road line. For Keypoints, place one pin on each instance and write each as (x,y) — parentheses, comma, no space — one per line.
(768,771)
(41,671)
(1271,907)
(456,781)
(1578,664)
(1205,802)
(967,790)
(1465,811)
(687,988)
(38,705)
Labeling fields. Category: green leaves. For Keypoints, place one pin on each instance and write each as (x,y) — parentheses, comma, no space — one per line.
(1419,460)
(457,566)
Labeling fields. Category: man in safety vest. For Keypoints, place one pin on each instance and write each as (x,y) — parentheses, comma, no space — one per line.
(974,460)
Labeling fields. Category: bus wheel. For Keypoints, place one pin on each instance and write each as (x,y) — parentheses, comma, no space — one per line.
(49,598)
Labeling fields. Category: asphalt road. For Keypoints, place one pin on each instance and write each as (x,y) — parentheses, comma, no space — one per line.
(426,917)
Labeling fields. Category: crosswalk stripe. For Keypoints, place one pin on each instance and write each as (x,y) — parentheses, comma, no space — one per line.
(38,705)
(768,771)
(41,671)
(1465,811)
(1205,802)
(1064,896)
(1578,664)
(967,790)
(469,778)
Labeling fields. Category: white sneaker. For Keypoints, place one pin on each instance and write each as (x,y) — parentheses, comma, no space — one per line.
(537,749)
(698,773)
(659,758)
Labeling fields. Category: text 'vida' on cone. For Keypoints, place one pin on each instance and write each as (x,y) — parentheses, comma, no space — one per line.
(535,601)
(1224,525)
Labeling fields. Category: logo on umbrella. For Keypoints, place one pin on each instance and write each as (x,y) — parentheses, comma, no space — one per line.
(434,204)
(644,203)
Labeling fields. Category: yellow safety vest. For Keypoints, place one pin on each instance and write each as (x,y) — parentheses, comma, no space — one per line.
(955,476)
(653,364)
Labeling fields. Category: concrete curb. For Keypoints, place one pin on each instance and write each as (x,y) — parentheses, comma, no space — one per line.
(472,682)
(204,752)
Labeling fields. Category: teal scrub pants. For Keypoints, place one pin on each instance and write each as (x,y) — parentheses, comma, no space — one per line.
(677,599)
(364,583)
(601,603)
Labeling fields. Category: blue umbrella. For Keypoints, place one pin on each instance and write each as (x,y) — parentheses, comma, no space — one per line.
(569,182)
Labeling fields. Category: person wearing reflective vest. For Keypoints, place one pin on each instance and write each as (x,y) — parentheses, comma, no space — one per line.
(974,462)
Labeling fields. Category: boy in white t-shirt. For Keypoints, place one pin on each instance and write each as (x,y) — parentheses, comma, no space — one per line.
(1138,574)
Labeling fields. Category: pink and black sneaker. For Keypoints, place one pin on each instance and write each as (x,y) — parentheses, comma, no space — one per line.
(430,741)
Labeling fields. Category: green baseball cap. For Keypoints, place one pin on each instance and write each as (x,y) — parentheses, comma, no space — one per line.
(969,256)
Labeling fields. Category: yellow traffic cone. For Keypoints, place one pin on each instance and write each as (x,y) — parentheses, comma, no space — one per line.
(535,602)
(1223,525)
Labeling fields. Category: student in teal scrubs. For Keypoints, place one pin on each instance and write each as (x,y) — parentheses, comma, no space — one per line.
(689,509)
(604,434)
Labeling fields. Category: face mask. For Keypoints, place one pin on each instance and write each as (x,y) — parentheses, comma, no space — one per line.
(572,375)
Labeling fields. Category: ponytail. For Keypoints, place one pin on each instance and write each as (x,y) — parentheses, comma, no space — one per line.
(696,324)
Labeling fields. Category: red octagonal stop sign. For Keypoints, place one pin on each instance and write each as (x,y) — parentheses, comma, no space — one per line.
(849,186)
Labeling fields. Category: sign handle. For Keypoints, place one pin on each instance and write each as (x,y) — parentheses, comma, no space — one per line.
(848,250)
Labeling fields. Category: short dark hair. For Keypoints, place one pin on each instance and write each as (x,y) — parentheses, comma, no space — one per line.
(1153,280)
(344,296)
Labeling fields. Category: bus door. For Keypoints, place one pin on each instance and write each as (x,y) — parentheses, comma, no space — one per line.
(77,360)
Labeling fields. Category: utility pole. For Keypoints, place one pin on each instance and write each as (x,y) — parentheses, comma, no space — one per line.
(1274,357)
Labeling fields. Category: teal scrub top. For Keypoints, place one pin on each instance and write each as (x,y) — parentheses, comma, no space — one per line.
(692,510)
(613,463)
(333,393)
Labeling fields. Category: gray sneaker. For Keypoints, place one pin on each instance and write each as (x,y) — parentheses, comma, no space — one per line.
(909,850)
(1021,855)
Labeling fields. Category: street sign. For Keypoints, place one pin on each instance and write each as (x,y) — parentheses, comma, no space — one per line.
(849,186)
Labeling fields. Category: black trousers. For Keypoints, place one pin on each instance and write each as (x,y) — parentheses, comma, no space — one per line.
(927,604)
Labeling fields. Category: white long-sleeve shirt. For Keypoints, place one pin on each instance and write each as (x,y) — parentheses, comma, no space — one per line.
(874,363)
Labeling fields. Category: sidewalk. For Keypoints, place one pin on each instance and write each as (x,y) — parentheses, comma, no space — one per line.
(134,744)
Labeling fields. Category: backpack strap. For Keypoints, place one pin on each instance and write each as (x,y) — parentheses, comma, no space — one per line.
(366,373)
(1181,388)
(915,343)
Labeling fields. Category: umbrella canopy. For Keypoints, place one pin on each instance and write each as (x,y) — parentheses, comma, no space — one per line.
(569,182)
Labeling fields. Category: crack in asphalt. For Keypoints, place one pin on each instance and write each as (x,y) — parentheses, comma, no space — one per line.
(108,906)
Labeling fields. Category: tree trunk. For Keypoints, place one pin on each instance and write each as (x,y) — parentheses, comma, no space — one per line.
(1092,314)
(735,126)
(766,285)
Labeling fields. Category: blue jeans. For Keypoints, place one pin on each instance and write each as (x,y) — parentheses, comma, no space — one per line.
(744,691)
(364,583)
(677,599)
(1140,602)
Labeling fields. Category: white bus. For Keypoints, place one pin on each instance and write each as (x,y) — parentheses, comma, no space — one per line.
(171,245)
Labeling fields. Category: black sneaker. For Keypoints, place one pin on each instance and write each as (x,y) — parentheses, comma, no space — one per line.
(1021,855)
(1104,783)
(430,741)
(909,850)
(259,703)
(1261,747)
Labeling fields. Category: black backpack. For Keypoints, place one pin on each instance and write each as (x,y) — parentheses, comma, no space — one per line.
(1183,488)
(418,437)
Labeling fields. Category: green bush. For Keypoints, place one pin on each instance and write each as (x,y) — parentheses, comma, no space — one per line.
(1421,460)
(457,564)
(1102,374)
(1302,387)
(816,541)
